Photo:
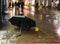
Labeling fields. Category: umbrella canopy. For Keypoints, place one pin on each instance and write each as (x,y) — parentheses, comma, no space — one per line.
(25,21)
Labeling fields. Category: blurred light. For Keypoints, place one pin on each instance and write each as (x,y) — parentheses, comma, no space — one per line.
(33,2)
(32,10)
(26,2)
(25,7)
(56,23)
(57,2)
(26,10)
(13,0)
(58,31)
(40,7)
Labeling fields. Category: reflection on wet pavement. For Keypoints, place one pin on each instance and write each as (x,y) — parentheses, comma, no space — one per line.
(49,29)
(49,26)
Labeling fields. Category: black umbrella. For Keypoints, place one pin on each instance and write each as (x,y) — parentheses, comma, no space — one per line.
(22,22)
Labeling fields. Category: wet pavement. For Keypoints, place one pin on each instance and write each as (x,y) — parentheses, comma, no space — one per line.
(48,22)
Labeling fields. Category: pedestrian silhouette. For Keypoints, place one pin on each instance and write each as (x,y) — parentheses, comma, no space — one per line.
(20,5)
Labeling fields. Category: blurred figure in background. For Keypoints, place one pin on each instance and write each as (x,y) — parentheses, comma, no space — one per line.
(20,7)
(11,4)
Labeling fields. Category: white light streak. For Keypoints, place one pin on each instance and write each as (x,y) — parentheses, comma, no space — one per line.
(58,31)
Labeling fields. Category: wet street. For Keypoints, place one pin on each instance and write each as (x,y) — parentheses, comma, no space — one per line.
(48,23)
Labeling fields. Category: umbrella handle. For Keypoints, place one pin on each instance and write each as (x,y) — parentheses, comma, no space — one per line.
(20,29)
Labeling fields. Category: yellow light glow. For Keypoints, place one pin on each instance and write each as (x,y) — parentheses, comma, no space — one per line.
(40,7)
(36,29)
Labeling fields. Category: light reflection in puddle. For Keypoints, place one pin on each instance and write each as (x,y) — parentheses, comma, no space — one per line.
(55,23)
(58,31)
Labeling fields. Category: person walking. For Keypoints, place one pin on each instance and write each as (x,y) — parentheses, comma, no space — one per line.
(20,6)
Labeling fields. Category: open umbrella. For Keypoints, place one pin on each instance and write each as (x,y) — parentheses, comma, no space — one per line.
(22,22)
